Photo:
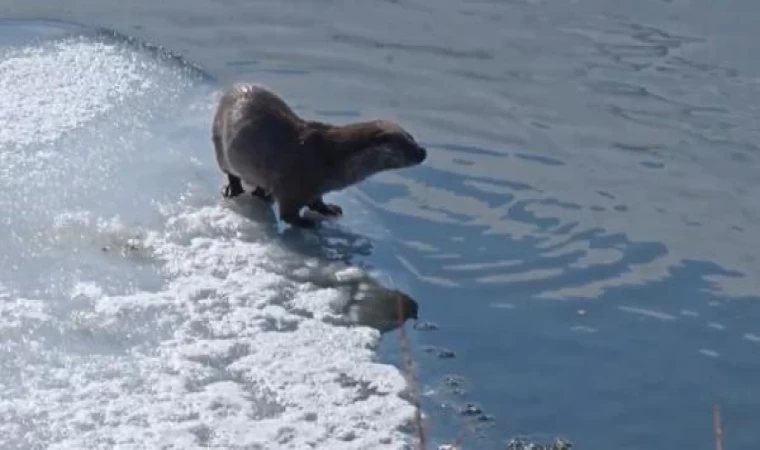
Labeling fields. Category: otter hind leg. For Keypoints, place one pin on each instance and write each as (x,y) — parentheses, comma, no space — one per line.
(262,194)
(233,188)
(326,209)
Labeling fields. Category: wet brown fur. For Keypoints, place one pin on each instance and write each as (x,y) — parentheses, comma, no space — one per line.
(259,140)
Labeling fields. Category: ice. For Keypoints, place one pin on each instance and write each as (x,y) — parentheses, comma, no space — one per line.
(138,309)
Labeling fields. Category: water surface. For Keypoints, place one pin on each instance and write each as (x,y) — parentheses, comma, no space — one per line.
(583,231)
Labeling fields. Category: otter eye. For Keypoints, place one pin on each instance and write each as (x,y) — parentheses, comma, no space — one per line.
(383,139)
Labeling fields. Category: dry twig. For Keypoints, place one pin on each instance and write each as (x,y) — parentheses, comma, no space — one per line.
(410,379)
(718,428)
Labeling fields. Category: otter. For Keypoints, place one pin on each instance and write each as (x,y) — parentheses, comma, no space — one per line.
(260,141)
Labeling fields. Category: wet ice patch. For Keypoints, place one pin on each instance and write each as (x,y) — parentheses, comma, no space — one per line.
(18,312)
(37,81)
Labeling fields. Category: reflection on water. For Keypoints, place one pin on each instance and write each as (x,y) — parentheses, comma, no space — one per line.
(582,232)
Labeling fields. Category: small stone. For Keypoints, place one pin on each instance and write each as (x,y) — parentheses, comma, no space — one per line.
(440,352)
(446,354)
(348,436)
(454,380)
(425,326)
(486,418)
(470,409)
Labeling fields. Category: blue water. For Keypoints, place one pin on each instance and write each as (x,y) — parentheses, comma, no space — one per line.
(583,233)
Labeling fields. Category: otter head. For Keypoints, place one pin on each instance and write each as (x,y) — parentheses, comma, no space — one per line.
(388,146)
(359,150)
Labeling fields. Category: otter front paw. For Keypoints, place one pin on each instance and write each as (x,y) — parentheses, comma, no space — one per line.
(332,209)
(326,209)
(299,221)
(263,195)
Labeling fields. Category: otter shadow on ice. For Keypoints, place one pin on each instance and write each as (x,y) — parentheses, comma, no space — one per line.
(328,242)
(328,257)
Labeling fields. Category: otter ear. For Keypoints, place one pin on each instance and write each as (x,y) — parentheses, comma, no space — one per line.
(381,137)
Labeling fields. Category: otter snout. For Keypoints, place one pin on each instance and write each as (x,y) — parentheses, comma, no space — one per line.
(420,155)
(414,154)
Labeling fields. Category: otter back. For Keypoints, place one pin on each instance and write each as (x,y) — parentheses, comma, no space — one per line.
(258,137)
